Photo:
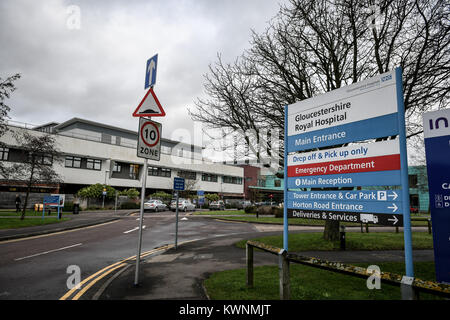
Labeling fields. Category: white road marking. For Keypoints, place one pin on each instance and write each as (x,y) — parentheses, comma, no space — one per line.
(143,227)
(42,253)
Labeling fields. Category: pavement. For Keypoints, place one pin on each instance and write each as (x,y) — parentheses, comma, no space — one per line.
(178,274)
(81,220)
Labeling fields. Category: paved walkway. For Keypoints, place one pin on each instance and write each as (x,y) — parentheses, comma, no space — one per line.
(179,274)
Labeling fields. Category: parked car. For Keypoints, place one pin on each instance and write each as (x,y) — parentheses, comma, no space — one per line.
(264,203)
(414,210)
(183,205)
(244,204)
(155,205)
(217,205)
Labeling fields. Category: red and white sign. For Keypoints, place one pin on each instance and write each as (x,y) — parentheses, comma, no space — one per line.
(149,106)
(378,156)
(149,142)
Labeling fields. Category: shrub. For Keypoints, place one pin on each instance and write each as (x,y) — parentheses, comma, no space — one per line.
(278,212)
(250,209)
(96,191)
(271,210)
(68,207)
(130,193)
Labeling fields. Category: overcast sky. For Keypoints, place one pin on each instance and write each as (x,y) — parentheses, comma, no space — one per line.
(96,72)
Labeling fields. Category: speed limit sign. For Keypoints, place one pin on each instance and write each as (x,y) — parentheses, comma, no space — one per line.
(149,141)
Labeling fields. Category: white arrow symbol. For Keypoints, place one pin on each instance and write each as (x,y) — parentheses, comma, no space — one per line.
(395,220)
(151,67)
(395,195)
(394,208)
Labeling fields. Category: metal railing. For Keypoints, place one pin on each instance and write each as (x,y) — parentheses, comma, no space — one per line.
(410,287)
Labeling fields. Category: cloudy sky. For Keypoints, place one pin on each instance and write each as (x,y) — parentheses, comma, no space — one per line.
(94,67)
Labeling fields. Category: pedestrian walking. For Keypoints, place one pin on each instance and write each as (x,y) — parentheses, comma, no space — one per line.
(18,202)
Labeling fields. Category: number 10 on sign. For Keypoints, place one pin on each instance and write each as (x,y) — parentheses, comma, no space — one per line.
(149,141)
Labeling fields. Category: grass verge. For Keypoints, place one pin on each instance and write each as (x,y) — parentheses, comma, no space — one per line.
(13,223)
(30,213)
(354,241)
(308,283)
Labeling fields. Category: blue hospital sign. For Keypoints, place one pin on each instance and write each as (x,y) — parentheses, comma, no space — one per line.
(437,146)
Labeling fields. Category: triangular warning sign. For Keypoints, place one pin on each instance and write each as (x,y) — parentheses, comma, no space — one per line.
(149,106)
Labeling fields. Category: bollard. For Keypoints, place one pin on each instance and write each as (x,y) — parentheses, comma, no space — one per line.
(342,237)
(429,226)
(396,229)
(249,254)
(367,228)
(362,230)
(283,270)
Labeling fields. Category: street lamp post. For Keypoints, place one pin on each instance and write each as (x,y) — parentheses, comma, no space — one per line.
(104,189)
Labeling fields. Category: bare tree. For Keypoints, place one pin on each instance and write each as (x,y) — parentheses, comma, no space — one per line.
(314,46)
(6,88)
(40,154)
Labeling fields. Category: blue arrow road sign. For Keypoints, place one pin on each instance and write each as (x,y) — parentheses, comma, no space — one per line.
(344,195)
(376,178)
(150,71)
(354,206)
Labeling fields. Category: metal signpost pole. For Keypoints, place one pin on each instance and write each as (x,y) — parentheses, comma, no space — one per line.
(141,219)
(149,141)
(285,215)
(404,176)
(176,223)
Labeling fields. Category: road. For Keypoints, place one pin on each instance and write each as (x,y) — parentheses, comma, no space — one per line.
(36,268)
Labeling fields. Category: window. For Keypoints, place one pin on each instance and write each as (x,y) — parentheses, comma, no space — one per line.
(277,183)
(209,177)
(187,175)
(414,200)
(159,172)
(412,180)
(118,140)
(73,162)
(40,159)
(134,171)
(117,167)
(4,152)
(106,138)
(232,180)
(94,164)
(166,150)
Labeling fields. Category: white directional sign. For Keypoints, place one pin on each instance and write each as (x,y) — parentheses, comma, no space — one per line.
(149,142)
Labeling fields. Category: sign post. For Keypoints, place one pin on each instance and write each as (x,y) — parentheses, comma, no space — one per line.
(437,146)
(370,109)
(149,140)
(178,185)
(52,200)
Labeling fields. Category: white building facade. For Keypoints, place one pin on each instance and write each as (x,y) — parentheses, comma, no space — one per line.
(98,153)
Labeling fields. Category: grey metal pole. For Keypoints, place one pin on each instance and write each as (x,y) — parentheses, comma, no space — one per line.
(141,219)
(115,203)
(176,224)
